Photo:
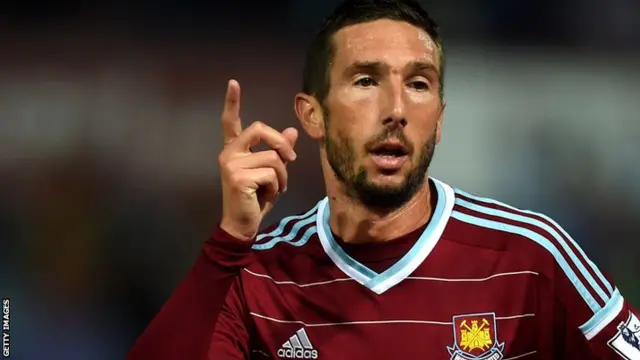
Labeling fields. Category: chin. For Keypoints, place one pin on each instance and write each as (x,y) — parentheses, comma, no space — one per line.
(387,180)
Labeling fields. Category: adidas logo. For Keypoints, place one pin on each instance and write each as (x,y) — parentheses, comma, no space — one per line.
(298,347)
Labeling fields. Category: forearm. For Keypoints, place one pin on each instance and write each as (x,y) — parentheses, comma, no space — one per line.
(184,326)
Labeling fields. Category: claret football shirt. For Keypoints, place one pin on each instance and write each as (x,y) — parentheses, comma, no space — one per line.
(481,280)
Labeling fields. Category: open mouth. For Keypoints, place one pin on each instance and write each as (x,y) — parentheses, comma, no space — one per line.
(390,149)
(389,156)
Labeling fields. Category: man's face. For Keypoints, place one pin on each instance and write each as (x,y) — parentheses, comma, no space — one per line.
(383,112)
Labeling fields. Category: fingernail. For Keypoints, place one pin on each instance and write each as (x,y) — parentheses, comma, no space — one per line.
(293,155)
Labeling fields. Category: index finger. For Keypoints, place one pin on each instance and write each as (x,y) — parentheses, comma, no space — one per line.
(231,125)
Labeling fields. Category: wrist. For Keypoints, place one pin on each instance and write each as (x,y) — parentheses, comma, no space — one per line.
(238,232)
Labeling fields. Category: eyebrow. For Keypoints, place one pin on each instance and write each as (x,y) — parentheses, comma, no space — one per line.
(379,67)
(418,65)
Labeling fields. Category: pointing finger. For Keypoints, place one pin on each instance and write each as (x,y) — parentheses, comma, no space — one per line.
(231,125)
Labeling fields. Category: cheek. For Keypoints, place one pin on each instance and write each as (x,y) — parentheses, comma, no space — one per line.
(423,131)
(358,96)
(347,138)
(354,113)
(358,103)
(425,99)
(423,111)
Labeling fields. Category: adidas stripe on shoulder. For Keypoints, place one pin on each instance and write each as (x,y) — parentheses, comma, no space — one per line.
(584,275)
(294,230)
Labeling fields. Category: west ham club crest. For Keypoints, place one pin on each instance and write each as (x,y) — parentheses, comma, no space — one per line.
(475,338)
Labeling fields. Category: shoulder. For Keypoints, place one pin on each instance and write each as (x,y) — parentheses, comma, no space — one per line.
(284,249)
(505,226)
(536,237)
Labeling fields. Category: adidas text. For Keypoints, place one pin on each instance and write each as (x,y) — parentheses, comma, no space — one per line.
(298,354)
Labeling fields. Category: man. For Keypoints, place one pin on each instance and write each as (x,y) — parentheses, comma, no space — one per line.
(391,264)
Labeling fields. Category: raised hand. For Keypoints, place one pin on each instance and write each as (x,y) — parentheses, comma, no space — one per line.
(251,181)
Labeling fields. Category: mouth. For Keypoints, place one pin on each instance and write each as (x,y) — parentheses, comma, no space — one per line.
(390,148)
(389,156)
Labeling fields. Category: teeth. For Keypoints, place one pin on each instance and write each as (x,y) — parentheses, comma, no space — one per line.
(389,153)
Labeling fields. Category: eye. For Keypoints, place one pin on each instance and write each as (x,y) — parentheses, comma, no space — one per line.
(366,82)
(419,85)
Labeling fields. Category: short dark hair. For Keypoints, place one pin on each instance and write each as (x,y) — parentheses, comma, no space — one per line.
(316,80)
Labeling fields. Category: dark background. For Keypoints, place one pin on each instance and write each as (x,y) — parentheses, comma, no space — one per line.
(109,134)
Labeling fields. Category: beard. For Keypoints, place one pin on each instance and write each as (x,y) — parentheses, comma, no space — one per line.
(341,156)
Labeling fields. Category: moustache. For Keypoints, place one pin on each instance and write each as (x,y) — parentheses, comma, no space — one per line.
(395,133)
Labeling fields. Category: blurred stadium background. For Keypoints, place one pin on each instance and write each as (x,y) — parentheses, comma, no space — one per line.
(109,134)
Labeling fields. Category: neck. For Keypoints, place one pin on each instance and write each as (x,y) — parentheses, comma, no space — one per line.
(355,223)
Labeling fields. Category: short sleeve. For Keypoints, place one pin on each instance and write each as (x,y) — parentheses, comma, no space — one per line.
(599,323)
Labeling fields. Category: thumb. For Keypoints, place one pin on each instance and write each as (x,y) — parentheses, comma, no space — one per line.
(291,134)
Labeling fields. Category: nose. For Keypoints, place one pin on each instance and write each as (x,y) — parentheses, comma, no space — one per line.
(395,109)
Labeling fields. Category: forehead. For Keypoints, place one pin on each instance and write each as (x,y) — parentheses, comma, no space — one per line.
(391,41)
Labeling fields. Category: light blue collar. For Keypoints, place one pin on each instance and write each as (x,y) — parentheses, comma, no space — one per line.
(380,283)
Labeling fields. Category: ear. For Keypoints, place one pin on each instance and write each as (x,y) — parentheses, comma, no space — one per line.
(309,112)
(439,121)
